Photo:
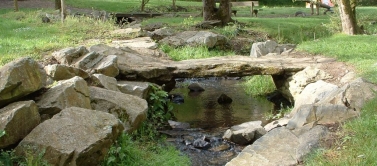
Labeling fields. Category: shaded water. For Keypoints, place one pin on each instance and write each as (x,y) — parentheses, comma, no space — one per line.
(202,110)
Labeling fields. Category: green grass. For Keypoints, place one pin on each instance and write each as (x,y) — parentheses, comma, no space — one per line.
(259,85)
(358,50)
(134,153)
(23,34)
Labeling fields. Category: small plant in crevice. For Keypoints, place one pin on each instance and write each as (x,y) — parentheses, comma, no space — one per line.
(159,112)
(273,115)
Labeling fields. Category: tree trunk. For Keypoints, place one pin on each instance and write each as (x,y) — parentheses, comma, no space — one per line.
(62,10)
(57,4)
(16,5)
(174,6)
(210,12)
(347,10)
(143,3)
(224,12)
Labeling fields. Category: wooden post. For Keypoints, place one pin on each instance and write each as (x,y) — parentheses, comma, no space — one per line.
(62,10)
(252,9)
(15,5)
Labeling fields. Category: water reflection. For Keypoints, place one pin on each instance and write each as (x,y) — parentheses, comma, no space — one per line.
(202,110)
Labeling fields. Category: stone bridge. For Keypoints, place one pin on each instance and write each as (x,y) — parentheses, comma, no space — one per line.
(157,69)
(142,64)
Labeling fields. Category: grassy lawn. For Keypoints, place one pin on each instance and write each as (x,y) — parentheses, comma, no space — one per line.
(23,34)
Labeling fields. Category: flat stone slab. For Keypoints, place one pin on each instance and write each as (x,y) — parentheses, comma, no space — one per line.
(145,68)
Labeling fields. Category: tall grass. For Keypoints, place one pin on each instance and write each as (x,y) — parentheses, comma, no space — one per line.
(258,85)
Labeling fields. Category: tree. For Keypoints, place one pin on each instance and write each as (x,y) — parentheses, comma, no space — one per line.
(62,14)
(210,12)
(143,3)
(15,5)
(174,6)
(347,10)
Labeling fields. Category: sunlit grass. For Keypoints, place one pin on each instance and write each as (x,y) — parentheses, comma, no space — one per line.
(189,52)
(259,85)
(24,34)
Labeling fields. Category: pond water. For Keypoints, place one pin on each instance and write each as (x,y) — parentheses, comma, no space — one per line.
(201,109)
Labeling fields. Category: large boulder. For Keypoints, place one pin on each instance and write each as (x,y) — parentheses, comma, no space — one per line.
(131,110)
(66,56)
(352,95)
(20,78)
(161,33)
(103,81)
(294,85)
(67,93)
(88,61)
(280,146)
(75,136)
(269,47)
(63,72)
(321,114)
(195,38)
(17,120)
(135,88)
(313,93)
(245,133)
(107,66)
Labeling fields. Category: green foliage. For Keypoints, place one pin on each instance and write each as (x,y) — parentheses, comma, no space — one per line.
(2,133)
(272,115)
(230,31)
(147,148)
(189,22)
(356,144)
(135,153)
(258,85)
(8,158)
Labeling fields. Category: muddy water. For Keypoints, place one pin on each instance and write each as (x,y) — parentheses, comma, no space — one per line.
(209,119)
(202,110)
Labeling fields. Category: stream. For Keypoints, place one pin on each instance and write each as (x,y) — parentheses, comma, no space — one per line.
(208,119)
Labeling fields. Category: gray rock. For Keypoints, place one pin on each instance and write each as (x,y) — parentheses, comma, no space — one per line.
(276,123)
(280,147)
(159,34)
(103,81)
(321,114)
(294,85)
(106,50)
(88,61)
(17,120)
(107,66)
(352,95)
(20,78)
(245,133)
(313,93)
(63,72)
(195,38)
(131,110)
(67,93)
(139,89)
(75,136)
(270,48)
(195,87)
(141,42)
(68,55)
(178,125)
